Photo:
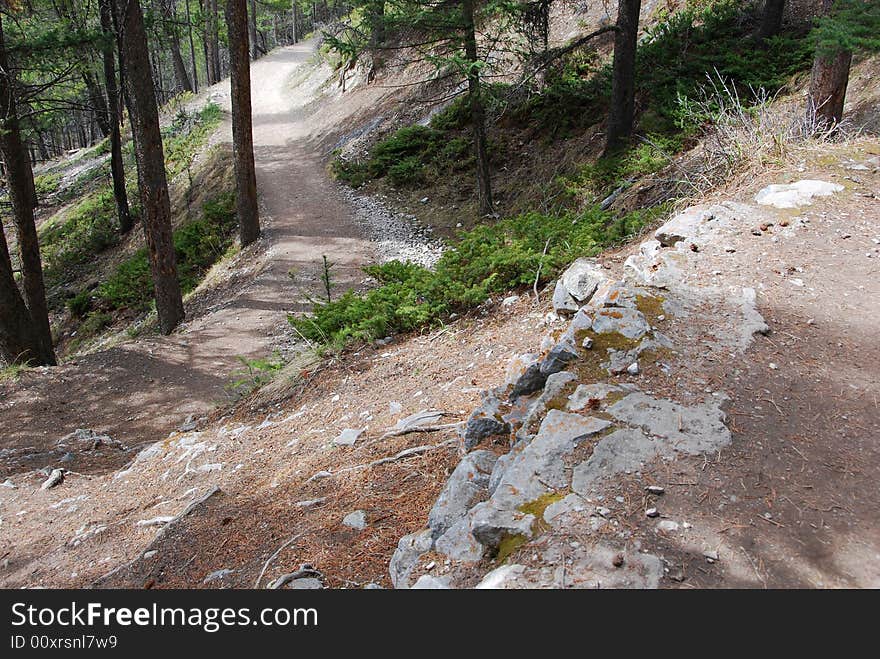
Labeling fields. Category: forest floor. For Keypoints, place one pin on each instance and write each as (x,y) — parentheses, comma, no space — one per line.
(791,502)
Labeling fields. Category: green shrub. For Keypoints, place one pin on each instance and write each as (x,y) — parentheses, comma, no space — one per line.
(80,303)
(674,59)
(602,176)
(351,172)
(186,134)
(46,184)
(406,157)
(454,116)
(484,261)
(74,237)
(197,245)
(407,172)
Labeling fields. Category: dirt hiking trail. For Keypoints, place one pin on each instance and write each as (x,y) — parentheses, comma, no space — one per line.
(156,382)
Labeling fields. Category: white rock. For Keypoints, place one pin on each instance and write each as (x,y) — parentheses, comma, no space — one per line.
(56,477)
(501,577)
(348,437)
(155,521)
(356,520)
(792,195)
(427,582)
(633,369)
(582,278)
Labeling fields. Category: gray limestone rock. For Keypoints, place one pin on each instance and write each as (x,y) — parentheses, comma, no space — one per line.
(409,549)
(485,421)
(468,482)
(563,302)
(587,392)
(459,544)
(553,388)
(428,582)
(582,278)
(356,520)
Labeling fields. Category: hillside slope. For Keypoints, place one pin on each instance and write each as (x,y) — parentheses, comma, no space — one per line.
(777,493)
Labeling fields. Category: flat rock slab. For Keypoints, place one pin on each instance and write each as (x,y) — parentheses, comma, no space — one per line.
(793,195)
(659,428)
(689,429)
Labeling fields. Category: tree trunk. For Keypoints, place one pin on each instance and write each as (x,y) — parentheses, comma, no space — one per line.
(41,145)
(215,40)
(192,49)
(293,12)
(242,130)
(150,159)
(771,20)
(622,113)
(18,335)
(20,181)
(252,29)
(828,81)
(478,118)
(97,103)
(180,74)
(117,170)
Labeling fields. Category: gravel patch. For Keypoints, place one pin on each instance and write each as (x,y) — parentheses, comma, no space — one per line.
(395,235)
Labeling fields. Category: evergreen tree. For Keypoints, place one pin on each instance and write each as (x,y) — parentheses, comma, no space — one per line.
(242,129)
(844,27)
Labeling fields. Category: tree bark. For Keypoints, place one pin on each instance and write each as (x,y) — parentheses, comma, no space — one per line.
(242,128)
(215,41)
(252,29)
(192,49)
(771,20)
(293,12)
(478,116)
(622,113)
(150,159)
(97,102)
(117,169)
(828,81)
(18,343)
(20,181)
(180,74)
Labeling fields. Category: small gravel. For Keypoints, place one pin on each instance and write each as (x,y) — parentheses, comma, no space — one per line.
(395,235)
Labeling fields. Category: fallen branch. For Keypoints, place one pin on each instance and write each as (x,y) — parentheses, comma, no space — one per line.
(398,432)
(273,557)
(405,453)
(305,570)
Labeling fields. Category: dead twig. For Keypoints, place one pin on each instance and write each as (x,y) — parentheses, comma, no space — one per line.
(540,265)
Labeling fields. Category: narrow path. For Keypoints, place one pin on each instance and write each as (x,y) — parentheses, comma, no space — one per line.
(138,391)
